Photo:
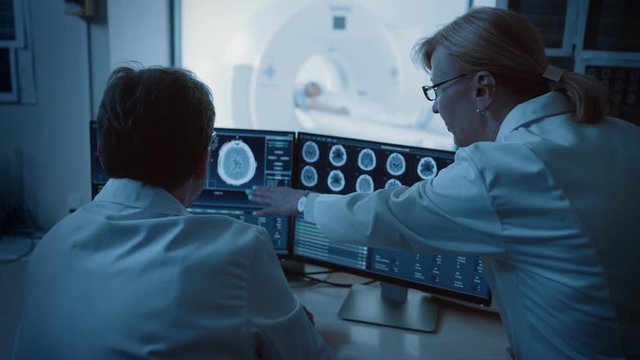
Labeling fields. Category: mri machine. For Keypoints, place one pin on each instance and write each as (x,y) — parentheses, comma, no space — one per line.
(342,46)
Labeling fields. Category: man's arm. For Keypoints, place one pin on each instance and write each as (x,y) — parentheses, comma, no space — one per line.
(279,323)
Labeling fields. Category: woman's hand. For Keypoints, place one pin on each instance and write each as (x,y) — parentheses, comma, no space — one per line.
(277,201)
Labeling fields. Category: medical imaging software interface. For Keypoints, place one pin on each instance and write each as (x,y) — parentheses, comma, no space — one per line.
(334,165)
(240,159)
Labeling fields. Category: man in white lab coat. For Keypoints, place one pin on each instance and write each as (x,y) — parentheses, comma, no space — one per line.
(133,275)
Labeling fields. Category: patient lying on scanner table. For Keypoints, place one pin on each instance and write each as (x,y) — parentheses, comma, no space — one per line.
(311,97)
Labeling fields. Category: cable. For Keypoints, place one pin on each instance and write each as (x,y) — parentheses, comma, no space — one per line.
(345,285)
(317,272)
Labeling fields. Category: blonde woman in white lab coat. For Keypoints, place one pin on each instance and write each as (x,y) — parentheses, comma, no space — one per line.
(544,188)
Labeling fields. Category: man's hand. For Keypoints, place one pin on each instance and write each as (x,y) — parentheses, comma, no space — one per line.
(277,201)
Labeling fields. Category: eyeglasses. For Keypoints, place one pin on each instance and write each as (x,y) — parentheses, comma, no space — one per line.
(431,93)
(214,141)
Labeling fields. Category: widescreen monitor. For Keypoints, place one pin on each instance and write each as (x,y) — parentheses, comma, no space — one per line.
(337,165)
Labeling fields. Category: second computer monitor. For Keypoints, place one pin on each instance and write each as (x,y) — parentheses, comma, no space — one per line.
(335,165)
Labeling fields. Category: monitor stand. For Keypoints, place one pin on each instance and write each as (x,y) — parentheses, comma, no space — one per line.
(293,270)
(391,306)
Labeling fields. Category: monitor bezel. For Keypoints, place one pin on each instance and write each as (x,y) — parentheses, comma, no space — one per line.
(93,150)
(431,289)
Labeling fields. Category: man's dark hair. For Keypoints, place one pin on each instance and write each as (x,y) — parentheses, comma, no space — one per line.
(154,125)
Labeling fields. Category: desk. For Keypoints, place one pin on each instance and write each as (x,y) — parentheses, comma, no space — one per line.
(462,333)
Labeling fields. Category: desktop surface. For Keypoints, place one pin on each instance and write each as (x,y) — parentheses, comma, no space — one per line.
(461,333)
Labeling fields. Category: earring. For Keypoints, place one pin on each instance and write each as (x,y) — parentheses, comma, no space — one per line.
(480,111)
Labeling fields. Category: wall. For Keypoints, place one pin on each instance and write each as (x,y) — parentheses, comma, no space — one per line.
(72,62)
(51,134)
(139,31)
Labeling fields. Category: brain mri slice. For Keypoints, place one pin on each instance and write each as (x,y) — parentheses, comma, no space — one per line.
(392,183)
(335,181)
(337,155)
(396,164)
(364,184)
(367,159)
(310,152)
(309,176)
(427,168)
(236,163)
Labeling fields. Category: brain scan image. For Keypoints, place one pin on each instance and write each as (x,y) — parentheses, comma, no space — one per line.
(338,155)
(396,164)
(310,152)
(335,180)
(364,184)
(236,163)
(392,183)
(309,176)
(427,168)
(366,160)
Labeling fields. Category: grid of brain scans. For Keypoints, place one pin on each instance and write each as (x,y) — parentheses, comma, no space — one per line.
(240,159)
(335,165)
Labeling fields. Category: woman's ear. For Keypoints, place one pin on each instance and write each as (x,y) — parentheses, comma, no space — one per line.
(484,86)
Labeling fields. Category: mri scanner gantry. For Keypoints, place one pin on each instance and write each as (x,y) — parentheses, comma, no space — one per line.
(280,39)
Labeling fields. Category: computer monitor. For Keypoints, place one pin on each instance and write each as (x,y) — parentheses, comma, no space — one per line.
(621,79)
(98,176)
(336,165)
(611,26)
(242,159)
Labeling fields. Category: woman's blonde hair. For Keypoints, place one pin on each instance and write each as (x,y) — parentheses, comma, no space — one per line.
(508,46)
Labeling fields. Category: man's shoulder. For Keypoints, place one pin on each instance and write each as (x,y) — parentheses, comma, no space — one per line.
(226,232)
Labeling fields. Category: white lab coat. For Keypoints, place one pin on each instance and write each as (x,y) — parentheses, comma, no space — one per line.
(553,208)
(134,275)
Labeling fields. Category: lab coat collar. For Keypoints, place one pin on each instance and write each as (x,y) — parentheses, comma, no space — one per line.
(135,193)
(550,104)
